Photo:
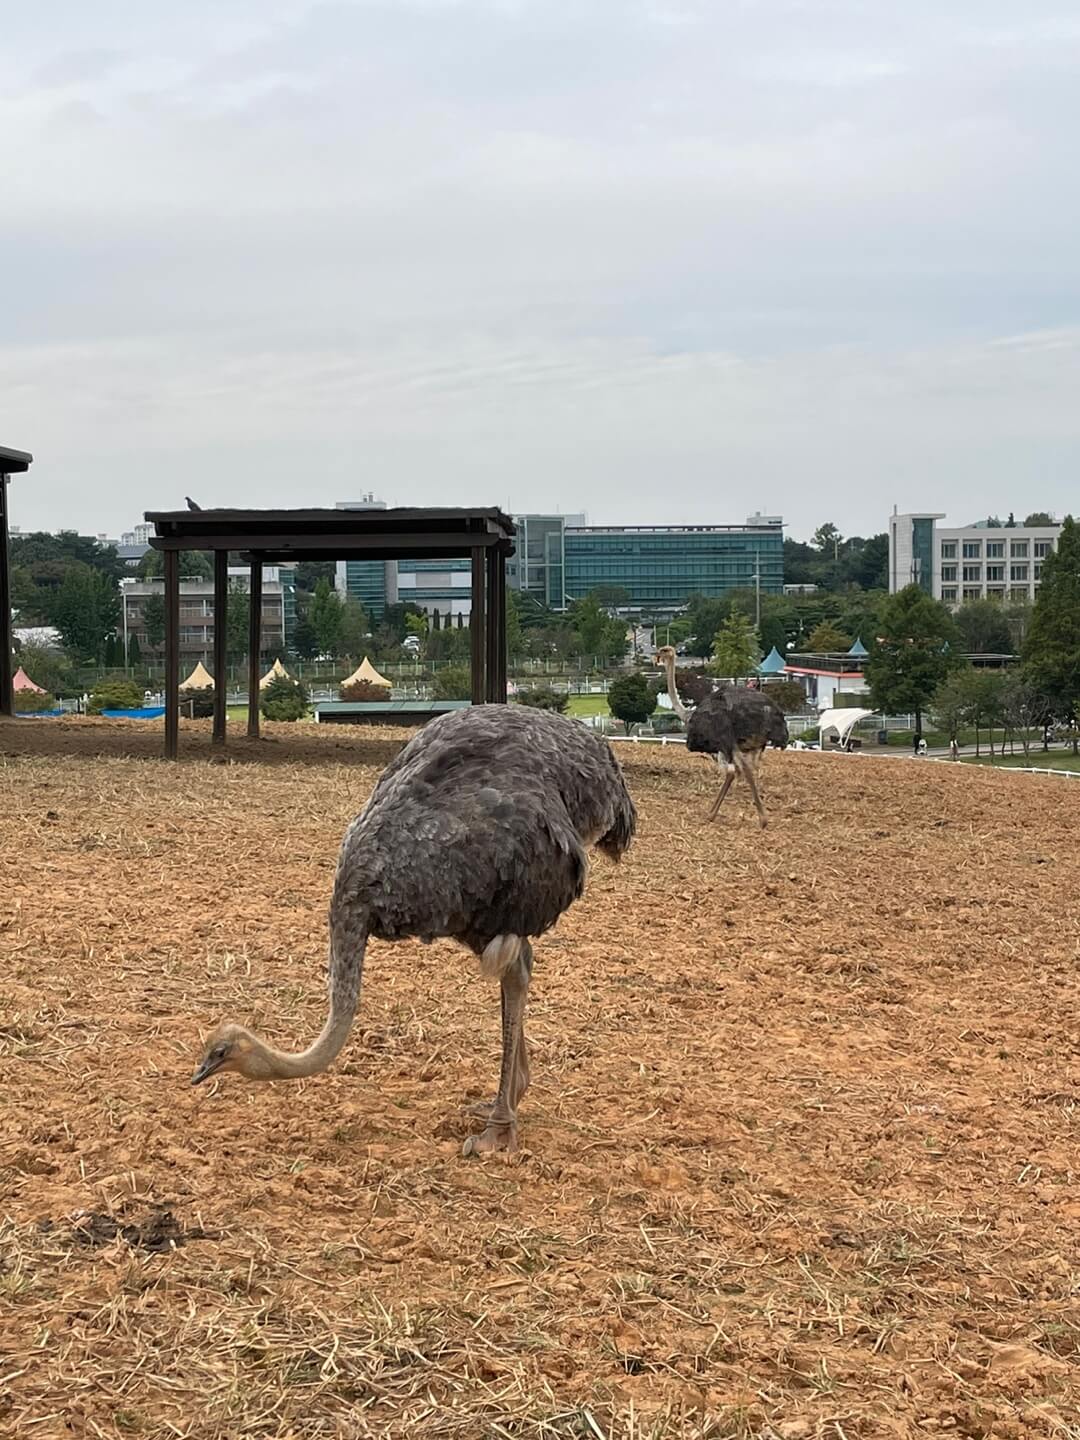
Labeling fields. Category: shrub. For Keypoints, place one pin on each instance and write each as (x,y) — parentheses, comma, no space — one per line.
(199,703)
(666,722)
(364,692)
(115,695)
(284,699)
(543,697)
(453,683)
(787,694)
(29,702)
(631,699)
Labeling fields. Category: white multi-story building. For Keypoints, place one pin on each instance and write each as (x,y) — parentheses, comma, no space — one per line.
(973,562)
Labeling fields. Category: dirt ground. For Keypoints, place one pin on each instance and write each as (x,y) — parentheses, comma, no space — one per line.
(799,1155)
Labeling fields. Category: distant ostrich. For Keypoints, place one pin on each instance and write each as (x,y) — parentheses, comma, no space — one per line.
(477,830)
(732,723)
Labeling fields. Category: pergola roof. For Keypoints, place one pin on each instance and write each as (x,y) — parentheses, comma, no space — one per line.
(14,462)
(283,536)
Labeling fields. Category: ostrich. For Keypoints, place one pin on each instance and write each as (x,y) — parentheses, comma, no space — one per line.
(731,723)
(477,830)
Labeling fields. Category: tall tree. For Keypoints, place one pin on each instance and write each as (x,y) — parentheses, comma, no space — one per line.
(829,639)
(912,656)
(984,628)
(326,614)
(1052,645)
(1040,517)
(827,540)
(736,650)
(194,565)
(354,629)
(86,611)
(238,618)
(154,621)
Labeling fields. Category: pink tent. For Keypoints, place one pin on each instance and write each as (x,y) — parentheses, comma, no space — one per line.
(22,681)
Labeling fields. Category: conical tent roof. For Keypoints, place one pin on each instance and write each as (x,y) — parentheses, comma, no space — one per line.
(858,650)
(199,679)
(276,669)
(773,664)
(366,671)
(22,681)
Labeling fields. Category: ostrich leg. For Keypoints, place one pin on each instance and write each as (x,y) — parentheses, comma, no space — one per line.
(728,778)
(749,769)
(500,1133)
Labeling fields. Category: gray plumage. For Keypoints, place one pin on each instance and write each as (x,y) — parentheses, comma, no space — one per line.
(477,831)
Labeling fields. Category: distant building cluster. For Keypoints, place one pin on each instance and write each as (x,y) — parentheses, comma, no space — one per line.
(974,562)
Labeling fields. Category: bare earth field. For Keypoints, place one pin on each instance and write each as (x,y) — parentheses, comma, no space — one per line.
(799,1156)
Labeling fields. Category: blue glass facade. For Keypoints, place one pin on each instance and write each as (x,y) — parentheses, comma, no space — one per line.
(661,567)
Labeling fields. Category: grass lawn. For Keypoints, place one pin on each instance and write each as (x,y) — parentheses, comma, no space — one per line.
(588,705)
(1053,760)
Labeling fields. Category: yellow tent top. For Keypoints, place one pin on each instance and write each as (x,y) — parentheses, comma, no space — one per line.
(276,669)
(366,671)
(199,679)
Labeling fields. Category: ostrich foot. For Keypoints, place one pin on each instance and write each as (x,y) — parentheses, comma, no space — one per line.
(496,1135)
(481,1108)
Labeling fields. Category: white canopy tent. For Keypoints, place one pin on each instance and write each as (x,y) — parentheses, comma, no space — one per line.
(838,724)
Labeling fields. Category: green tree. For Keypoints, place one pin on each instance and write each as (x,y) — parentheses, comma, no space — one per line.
(453,683)
(631,699)
(193,565)
(115,695)
(238,618)
(354,629)
(305,643)
(788,694)
(1052,645)
(515,634)
(310,572)
(706,614)
(134,655)
(913,654)
(86,611)
(736,650)
(154,621)
(1040,517)
(984,628)
(326,615)
(49,668)
(284,699)
(951,702)
(828,639)
(543,697)
(1024,707)
(827,539)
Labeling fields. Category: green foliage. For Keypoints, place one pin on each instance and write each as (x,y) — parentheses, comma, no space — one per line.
(514,632)
(854,561)
(284,698)
(310,572)
(364,692)
(736,650)
(51,669)
(192,564)
(354,628)
(416,624)
(543,697)
(1040,517)
(913,654)
(305,645)
(631,699)
(984,628)
(198,702)
(134,655)
(86,611)
(153,614)
(827,639)
(666,722)
(238,618)
(29,702)
(594,631)
(40,563)
(453,683)
(115,695)
(326,614)
(789,695)
(448,647)
(1052,645)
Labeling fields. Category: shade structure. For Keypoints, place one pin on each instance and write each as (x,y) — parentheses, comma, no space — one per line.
(21,681)
(366,671)
(858,650)
(840,723)
(773,664)
(199,679)
(276,670)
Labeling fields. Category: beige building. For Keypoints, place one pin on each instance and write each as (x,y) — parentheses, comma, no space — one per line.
(197,611)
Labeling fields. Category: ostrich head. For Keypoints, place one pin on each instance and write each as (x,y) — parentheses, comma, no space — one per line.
(231,1047)
(665,656)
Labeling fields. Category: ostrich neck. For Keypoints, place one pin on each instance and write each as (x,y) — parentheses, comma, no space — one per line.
(672,689)
(276,1064)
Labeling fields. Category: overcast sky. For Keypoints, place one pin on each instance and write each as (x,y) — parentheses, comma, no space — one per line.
(662,260)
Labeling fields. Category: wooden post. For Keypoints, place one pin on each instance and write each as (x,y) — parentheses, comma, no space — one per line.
(254,645)
(7,696)
(477,630)
(221,642)
(496,626)
(172,654)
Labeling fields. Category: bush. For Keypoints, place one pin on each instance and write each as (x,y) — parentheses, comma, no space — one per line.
(453,683)
(787,694)
(543,697)
(666,722)
(29,702)
(198,703)
(284,699)
(49,668)
(364,692)
(631,699)
(115,695)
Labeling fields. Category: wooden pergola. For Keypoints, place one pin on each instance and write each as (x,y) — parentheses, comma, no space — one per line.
(12,462)
(283,537)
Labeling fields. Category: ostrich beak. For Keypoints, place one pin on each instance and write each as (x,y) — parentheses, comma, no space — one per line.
(205,1069)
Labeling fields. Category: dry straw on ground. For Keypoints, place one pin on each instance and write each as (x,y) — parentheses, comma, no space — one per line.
(800,1148)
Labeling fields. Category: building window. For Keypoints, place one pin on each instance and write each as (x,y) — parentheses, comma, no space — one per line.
(973,572)
(995,549)
(972,549)
(948,595)
(995,592)
(1018,550)
(974,594)
(995,572)
(1038,570)
(1019,592)
(948,550)
(948,572)
(1043,548)
(1019,572)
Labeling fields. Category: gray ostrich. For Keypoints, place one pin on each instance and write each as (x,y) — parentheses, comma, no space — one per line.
(731,723)
(477,830)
